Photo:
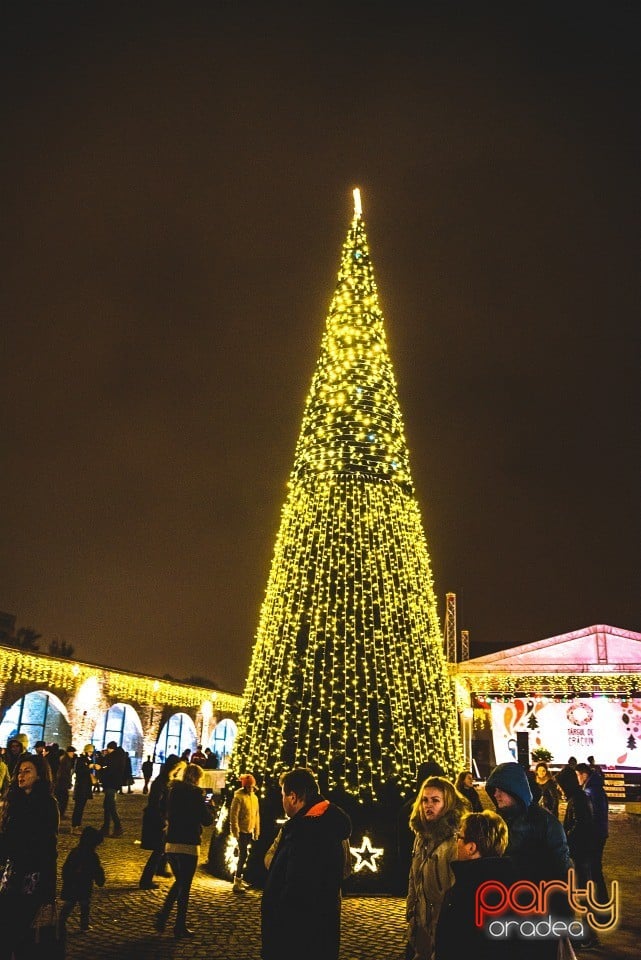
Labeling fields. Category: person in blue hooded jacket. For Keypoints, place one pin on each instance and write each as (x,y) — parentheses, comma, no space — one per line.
(537,843)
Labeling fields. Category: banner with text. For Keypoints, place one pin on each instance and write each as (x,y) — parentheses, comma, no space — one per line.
(608,729)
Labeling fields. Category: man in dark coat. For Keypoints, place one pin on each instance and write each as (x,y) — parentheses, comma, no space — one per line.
(64,779)
(536,840)
(112,775)
(591,780)
(147,770)
(128,775)
(578,824)
(83,787)
(579,828)
(301,903)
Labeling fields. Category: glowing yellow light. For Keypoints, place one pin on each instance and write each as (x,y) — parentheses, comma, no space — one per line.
(88,694)
(207,709)
(56,673)
(358,208)
(223,813)
(557,684)
(231,854)
(366,855)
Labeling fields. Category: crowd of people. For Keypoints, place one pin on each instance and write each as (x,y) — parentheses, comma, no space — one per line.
(35,790)
(458,842)
(457,847)
(76,776)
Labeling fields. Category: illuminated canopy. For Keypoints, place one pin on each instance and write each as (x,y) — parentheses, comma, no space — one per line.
(596,659)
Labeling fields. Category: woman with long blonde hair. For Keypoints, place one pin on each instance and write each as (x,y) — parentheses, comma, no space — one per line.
(435,819)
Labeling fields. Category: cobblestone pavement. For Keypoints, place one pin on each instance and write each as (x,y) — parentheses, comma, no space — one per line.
(228,926)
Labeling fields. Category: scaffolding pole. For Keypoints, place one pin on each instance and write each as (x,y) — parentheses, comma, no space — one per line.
(450,627)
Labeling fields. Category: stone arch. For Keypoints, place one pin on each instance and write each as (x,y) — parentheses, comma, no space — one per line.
(222,741)
(177,734)
(41,715)
(122,724)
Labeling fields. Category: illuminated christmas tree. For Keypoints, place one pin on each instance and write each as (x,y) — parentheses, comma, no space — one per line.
(348,674)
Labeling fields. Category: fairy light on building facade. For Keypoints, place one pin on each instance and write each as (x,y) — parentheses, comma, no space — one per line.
(348,674)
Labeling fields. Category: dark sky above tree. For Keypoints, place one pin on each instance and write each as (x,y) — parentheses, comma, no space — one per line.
(177,187)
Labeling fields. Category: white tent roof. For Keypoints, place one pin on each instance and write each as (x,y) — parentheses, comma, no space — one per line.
(597,649)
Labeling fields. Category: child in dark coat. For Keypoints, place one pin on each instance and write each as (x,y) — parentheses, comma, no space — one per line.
(81,870)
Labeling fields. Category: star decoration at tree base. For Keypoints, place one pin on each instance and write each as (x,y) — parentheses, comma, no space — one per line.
(366,855)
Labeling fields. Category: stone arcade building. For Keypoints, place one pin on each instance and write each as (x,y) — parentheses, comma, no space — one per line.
(70,702)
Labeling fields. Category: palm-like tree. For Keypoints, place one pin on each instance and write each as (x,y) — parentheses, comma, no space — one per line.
(26,638)
(60,648)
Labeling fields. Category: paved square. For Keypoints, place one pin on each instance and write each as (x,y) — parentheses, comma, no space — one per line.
(228,925)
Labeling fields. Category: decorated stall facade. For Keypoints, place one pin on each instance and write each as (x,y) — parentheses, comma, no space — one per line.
(577,694)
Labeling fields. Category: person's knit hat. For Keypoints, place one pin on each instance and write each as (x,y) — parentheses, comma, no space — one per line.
(20,738)
(246,780)
(88,748)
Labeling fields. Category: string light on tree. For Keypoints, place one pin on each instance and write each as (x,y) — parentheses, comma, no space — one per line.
(347,674)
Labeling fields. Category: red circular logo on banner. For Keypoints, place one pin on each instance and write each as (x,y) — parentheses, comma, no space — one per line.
(580,714)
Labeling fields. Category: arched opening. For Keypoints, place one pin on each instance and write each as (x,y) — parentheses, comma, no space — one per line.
(177,735)
(222,741)
(41,715)
(122,724)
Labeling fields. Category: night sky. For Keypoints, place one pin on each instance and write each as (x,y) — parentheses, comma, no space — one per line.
(176,190)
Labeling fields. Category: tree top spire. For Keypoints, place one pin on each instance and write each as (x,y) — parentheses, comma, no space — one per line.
(358,208)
